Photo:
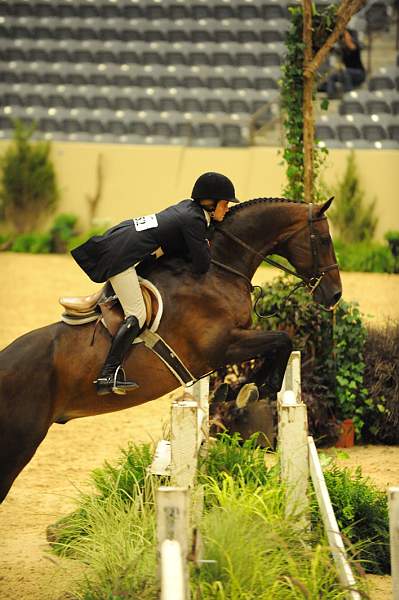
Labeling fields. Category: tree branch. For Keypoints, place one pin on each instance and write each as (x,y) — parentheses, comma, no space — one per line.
(307,108)
(345,12)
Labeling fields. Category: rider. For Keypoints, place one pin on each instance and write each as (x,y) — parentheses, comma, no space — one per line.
(179,230)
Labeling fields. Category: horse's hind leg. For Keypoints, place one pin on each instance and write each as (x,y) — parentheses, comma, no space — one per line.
(17,447)
(24,421)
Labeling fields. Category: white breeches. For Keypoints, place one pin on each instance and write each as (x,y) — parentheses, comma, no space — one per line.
(127,288)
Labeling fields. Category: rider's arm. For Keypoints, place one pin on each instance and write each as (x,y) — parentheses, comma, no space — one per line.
(194,234)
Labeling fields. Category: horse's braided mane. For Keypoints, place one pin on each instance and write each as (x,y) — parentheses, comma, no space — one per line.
(242,205)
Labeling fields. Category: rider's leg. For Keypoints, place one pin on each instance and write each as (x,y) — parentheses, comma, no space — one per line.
(127,288)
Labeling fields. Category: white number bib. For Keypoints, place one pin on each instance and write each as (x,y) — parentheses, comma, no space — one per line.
(148,222)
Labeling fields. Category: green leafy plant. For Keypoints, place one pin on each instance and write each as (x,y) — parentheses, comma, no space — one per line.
(353,220)
(347,360)
(34,243)
(366,256)
(28,186)
(381,377)
(362,514)
(332,349)
(292,100)
(392,237)
(62,230)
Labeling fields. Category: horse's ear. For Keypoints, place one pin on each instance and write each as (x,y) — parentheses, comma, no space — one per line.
(324,207)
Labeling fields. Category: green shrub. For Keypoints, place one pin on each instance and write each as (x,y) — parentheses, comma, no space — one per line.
(366,256)
(62,230)
(382,379)
(392,237)
(28,186)
(362,514)
(332,353)
(352,220)
(35,243)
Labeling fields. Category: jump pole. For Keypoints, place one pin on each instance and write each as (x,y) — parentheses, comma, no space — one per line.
(173,535)
(334,536)
(292,442)
(298,460)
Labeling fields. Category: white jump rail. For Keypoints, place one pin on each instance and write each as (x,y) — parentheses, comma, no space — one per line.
(173,536)
(393,502)
(298,460)
(334,536)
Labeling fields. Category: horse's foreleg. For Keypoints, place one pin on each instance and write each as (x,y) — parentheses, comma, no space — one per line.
(274,347)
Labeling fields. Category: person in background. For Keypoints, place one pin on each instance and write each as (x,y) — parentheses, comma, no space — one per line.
(179,230)
(352,73)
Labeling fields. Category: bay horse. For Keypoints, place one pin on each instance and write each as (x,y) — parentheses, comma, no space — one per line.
(46,376)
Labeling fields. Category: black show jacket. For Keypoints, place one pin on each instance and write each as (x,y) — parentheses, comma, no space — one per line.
(181,230)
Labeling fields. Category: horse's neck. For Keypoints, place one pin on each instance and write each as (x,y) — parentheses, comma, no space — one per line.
(261,227)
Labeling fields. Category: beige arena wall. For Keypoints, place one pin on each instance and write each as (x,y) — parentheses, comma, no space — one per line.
(143,179)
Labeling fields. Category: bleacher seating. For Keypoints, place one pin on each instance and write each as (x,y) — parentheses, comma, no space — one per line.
(358,130)
(175,71)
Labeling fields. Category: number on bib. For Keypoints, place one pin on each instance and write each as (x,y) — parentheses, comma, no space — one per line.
(148,222)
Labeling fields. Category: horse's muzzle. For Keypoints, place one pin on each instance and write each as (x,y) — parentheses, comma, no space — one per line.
(326,295)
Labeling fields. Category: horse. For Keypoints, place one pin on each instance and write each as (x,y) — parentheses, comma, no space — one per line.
(46,375)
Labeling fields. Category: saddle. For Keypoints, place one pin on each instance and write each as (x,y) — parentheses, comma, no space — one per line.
(105,305)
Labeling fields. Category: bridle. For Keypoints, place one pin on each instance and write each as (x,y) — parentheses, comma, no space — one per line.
(317,273)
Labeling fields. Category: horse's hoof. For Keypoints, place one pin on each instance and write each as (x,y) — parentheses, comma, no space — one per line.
(248,393)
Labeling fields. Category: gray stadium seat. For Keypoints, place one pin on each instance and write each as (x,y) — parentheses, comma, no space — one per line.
(224,11)
(248,10)
(174,56)
(393,129)
(378,106)
(231,135)
(177,10)
(168,103)
(375,128)
(354,103)
(215,105)
(191,104)
(274,9)
(239,106)
(131,11)
(349,128)
(325,128)
(384,79)
(207,134)
(201,10)
(376,15)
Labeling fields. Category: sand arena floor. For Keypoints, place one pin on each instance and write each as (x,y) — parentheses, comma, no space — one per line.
(46,488)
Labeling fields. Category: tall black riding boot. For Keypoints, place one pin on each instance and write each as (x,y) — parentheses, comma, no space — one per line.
(112,376)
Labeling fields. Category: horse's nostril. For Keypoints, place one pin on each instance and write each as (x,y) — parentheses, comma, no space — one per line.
(337,296)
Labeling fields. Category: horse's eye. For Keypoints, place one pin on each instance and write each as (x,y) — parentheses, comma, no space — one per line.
(325,239)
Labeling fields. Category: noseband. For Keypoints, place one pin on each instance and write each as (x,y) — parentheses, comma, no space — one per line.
(317,273)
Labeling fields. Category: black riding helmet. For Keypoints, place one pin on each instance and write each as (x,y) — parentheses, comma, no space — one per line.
(213,186)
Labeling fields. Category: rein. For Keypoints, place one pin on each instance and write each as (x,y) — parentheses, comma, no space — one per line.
(311,282)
